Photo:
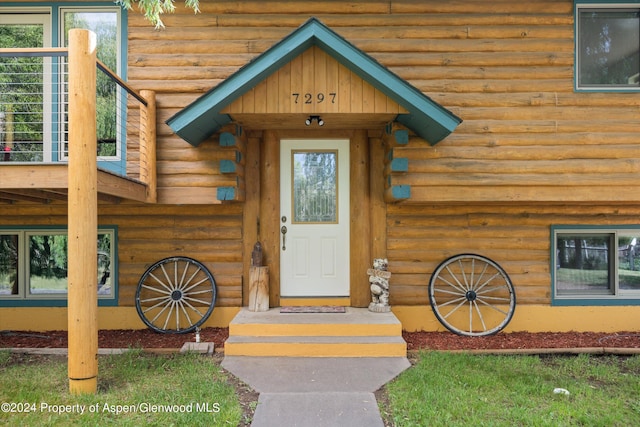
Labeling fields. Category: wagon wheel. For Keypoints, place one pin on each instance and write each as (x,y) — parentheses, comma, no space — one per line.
(472,295)
(175,295)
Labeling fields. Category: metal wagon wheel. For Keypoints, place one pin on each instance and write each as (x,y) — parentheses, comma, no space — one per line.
(472,295)
(176,295)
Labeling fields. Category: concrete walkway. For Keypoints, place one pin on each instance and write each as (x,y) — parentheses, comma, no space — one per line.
(314,392)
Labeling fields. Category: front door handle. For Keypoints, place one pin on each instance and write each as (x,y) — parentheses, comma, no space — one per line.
(283,230)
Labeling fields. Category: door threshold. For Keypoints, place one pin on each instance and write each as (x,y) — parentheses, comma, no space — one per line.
(315,301)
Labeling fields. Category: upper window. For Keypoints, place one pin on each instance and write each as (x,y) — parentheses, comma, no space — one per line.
(593,266)
(104,23)
(608,47)
(25,136)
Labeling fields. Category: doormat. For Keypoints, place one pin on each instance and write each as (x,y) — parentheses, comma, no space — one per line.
(313,309)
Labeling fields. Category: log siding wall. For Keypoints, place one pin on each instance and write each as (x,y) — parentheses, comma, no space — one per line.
(148,233)
(530,152)
(505,68)
(517,236)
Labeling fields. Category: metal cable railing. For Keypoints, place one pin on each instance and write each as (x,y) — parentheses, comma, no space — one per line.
(34,112)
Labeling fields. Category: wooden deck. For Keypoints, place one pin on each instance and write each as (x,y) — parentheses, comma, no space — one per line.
(44,183)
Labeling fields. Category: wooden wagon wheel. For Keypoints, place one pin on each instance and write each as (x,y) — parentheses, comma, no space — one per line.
(176,295)
(472,295)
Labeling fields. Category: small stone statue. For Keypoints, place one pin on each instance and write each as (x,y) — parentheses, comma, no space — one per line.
(256,255)
(379,280)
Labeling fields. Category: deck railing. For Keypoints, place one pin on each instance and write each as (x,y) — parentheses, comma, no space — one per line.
(34,114)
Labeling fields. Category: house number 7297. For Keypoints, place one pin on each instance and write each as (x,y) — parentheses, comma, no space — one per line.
(309,98)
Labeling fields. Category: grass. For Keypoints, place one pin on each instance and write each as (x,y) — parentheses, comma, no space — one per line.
(441,389)
(133,389)
(445,389)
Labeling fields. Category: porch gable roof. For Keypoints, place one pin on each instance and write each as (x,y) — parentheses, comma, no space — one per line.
(203,117)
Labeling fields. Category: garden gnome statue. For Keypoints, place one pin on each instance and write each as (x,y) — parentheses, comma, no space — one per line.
(379,280)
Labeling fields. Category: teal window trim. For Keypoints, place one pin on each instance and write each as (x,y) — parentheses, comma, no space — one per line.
(116,165)
(26,301)
(597,4)
(619,299)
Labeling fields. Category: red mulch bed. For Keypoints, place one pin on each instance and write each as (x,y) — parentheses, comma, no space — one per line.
(520,340)
(120,338)
(147,338)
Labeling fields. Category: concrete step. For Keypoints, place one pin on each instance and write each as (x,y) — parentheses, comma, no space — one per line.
(356,333)
(313,346)
(355,322)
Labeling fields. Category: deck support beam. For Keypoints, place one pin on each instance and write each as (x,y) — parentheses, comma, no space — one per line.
(82,215)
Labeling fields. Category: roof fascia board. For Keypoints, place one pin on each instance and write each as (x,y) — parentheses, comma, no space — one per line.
(240,83)
(385,81)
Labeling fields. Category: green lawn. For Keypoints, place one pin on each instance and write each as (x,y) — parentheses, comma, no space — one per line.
(445,389)
(441,389)
(135,389)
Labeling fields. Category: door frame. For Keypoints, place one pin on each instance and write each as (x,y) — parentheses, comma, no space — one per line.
(261,213)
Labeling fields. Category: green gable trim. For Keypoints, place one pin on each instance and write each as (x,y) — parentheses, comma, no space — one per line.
(202,118)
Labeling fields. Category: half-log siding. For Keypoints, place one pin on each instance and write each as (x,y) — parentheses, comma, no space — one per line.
(210,235)
(530,152)
(148,233)
(422,236)
(506,68)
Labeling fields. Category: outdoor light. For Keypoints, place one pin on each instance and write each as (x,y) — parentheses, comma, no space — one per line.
(311,119)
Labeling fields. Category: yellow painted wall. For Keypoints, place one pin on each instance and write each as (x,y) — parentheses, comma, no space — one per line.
(30,318)
(531,318)
(538,318)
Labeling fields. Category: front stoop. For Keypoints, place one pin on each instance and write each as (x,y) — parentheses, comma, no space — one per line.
(356,333)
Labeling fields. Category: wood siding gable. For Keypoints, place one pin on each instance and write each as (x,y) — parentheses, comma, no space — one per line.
(204,117)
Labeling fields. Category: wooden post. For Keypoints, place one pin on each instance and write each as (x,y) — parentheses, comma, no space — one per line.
(270,210)
(376,198)
(360,258)
(251,211)
(82,215)
(258,288)
(148,144)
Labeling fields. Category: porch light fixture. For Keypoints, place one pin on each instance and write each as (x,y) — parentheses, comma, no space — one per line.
(311,119)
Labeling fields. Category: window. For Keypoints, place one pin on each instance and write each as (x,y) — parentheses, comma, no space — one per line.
(608,46)
(104,23)
(33,266)
(596,266)
(315,191)
(24,135)
(39,83)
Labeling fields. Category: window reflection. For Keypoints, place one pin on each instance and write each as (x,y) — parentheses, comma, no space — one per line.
(583,263)
(315,192)
(609,47)
(9,264)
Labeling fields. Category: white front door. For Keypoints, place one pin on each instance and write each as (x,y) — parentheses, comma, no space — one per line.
(314,218)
